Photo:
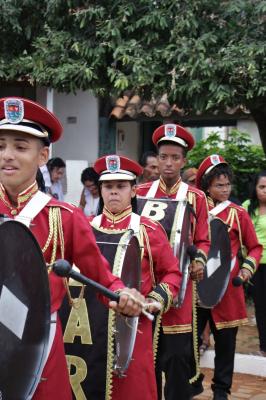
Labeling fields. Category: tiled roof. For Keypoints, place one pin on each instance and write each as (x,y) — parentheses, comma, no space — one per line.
(133,106)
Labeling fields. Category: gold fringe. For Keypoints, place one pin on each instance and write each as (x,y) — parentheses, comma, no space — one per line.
(145,234)
(173,329)
(110,355)
(231,324)
(195,333)
(156,335)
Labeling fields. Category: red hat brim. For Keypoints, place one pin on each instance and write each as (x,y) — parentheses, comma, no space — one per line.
(207,163)
(37,113)
(126,164)
(159,137)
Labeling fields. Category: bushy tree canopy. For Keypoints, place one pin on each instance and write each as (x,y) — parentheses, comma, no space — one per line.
(206,54)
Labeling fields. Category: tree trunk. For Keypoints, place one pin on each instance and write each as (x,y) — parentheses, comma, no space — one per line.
(259,115)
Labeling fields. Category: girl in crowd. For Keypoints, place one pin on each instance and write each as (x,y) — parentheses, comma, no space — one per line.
(256,207)
(160,274)
(56,167)
(89,199)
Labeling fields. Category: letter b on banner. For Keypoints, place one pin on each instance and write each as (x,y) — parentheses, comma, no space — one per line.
(154,210)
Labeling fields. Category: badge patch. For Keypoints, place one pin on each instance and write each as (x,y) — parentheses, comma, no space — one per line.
(170,130)
(113,163)
(14,110)
(215,159)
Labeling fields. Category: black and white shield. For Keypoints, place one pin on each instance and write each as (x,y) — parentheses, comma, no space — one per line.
(175,217)
(24,311)
(217,272)
(180,241)
(127,266)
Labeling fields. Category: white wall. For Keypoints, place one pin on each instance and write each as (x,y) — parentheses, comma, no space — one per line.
(251,128)
(80,141)
(127,139)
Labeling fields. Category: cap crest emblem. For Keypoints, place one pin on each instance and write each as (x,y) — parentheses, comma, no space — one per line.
(215,159)
(113,163)
(170,130)
(14,110)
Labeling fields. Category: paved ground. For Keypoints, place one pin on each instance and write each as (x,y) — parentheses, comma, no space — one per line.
(244,386)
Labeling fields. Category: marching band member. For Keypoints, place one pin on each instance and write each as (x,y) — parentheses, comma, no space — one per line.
(173,142)
(26,130)
(214,177)
(160,274)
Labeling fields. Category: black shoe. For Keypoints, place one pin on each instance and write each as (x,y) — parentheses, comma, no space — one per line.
(220,395)
(197,387)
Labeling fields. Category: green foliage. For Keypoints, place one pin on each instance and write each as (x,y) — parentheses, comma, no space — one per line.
(244,158)
(203,53)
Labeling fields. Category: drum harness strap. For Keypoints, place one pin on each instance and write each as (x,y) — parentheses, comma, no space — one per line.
(27,214)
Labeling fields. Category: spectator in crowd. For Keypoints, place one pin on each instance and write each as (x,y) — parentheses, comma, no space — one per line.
(46,178)
(189,176)
(57,167)
(89,199)
(149,163)
(256,207)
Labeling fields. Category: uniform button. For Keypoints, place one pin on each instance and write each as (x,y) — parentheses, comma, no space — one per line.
(14,212)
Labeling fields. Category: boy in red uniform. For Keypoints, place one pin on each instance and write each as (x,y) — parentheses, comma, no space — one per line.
(26,129)
(214,177)
(160,274)
(173,142)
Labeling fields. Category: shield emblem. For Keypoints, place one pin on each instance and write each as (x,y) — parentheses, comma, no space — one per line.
(170,130)
(217,272)
(113,163)
(127,266)
(215,159)
(180,241)
(14,110)
(25,311)
(175,217)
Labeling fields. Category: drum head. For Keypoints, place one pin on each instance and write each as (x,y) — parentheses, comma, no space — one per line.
(180,242)
(217,272)
(24,311)
(127,266)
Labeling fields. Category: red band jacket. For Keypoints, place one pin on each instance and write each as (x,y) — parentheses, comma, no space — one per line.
(160,281)
(231,310)
(62,231)
(179,320)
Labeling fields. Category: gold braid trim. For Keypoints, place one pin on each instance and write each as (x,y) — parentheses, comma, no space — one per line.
(145,234)
(173,329)
(243,249)
(140,237)
(154,295)
(248,267)
(231,324)
(110,355)
(156,335)
(195,333)
(167,290)
(56,236)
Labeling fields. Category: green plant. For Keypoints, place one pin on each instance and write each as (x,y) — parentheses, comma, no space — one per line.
(244,158)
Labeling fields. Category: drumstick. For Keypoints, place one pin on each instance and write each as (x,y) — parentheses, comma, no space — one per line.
(63,268)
